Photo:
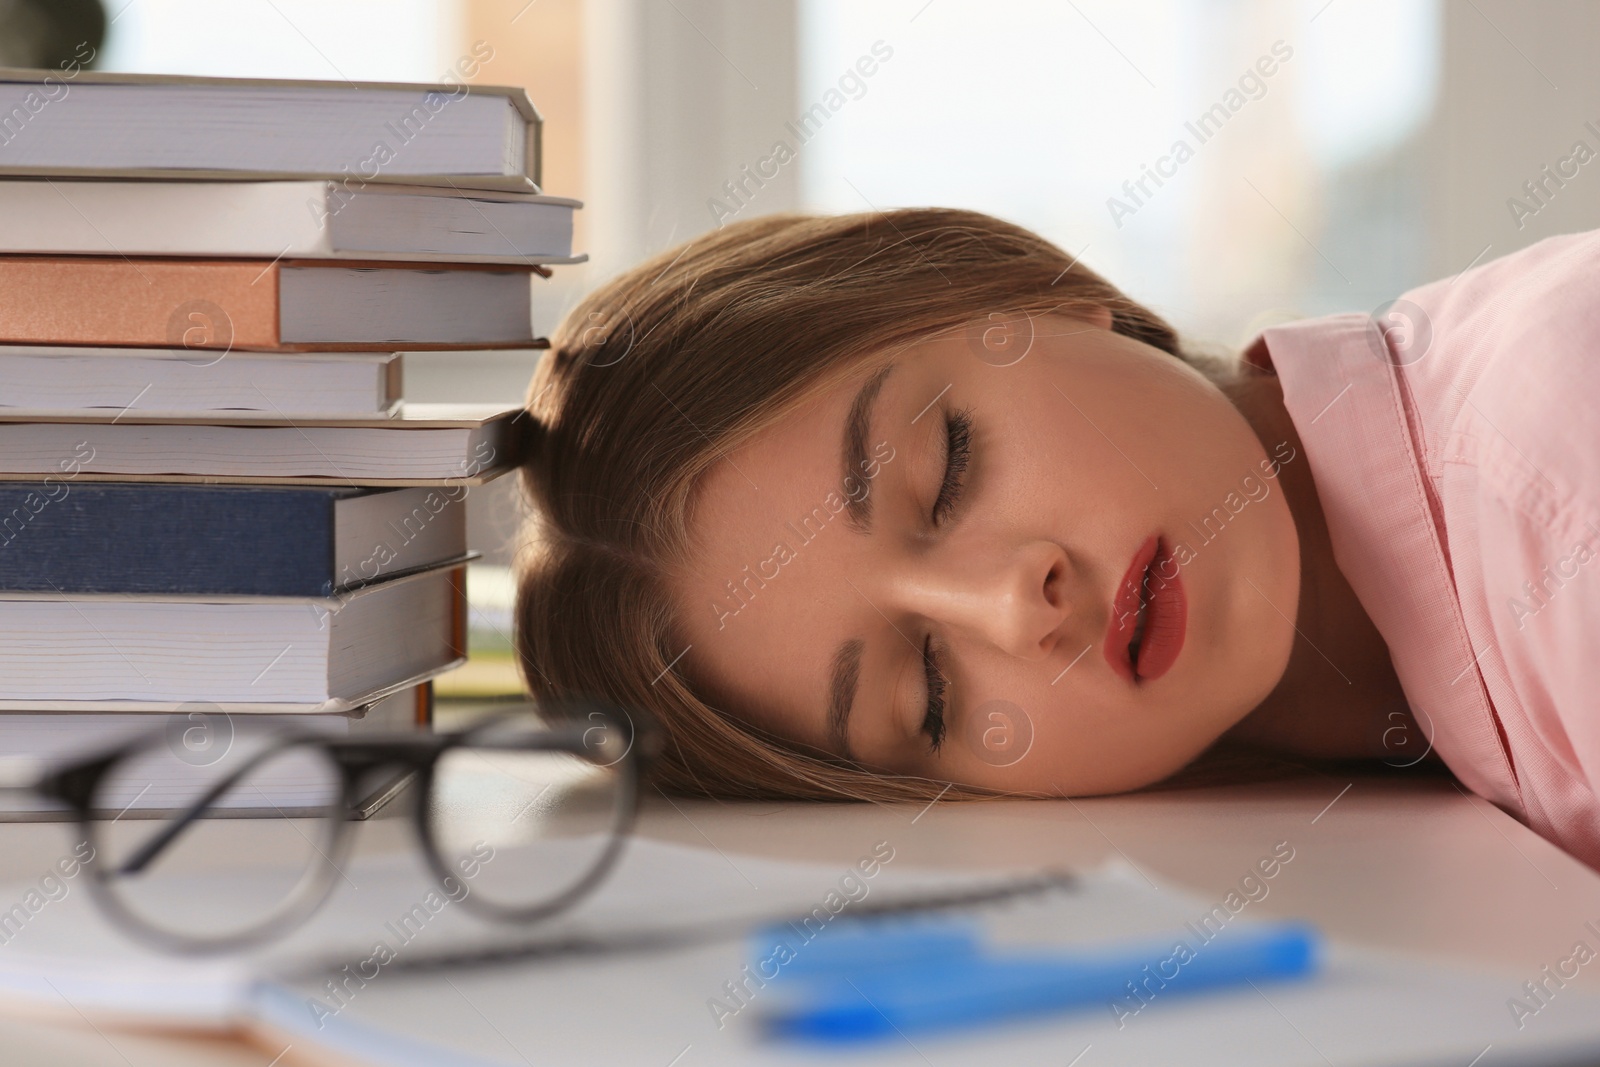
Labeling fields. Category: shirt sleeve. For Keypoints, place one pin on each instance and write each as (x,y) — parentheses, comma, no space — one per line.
(1522,466)
(1541,570)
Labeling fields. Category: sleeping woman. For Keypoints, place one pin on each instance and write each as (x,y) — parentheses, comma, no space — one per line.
(889,506)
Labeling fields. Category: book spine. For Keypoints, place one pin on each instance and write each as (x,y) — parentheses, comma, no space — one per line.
(201,304)
(99,537)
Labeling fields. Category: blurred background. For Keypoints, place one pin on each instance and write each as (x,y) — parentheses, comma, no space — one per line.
(1233,163)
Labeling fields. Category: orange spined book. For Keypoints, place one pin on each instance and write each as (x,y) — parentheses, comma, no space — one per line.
(261,304)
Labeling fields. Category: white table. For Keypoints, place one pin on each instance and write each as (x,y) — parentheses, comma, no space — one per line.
(1397,862)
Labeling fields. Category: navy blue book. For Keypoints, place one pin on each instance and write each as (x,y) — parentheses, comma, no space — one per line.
(172,538)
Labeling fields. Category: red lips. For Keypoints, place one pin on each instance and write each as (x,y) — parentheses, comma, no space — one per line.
(1154,574)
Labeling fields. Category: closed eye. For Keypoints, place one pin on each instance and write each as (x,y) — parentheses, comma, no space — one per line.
(933,720)
(957,455)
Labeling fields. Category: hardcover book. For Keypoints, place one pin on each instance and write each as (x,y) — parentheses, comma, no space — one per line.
(98,124)
(202,746)
(165,538)
(285,655)
(220,305)
(422,444)
(297,220)
(64,380)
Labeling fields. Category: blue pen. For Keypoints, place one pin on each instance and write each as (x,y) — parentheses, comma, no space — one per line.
(851,946)
(928,994)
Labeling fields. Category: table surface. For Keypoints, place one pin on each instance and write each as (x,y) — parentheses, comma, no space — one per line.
(1411,863)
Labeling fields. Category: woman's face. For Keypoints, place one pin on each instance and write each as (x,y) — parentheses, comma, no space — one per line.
(938,566)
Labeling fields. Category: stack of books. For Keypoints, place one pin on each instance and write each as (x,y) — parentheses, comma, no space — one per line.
(216,508)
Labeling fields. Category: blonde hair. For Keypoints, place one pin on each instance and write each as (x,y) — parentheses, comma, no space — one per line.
(663,370)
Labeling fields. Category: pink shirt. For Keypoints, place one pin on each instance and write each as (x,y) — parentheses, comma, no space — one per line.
(1455,444)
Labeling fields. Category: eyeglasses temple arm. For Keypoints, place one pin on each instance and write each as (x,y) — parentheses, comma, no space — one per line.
(158,844)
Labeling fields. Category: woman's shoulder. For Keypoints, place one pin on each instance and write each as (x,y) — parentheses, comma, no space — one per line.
(1503,399)
(1525,319)
(1497,368)
(1524,312)
(1503,376)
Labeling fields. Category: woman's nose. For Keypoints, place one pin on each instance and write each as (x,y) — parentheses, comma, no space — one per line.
(1016,602)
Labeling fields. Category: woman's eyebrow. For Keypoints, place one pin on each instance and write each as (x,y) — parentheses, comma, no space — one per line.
(853,449)
(842,694)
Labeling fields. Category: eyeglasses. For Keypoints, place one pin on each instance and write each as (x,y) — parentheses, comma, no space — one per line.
(518,816)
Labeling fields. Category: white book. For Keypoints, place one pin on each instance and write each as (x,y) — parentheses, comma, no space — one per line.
(199,747)
(75,122)
(421,444)
(44,380)
(248,654)
(295,220)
